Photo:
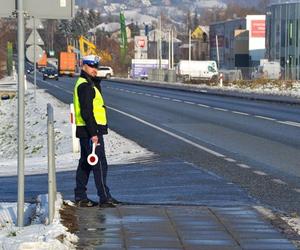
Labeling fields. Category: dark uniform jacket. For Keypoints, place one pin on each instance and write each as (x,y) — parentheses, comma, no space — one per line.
(86,94)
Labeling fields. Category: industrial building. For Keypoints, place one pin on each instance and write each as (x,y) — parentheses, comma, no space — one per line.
(238,43)
(283,36)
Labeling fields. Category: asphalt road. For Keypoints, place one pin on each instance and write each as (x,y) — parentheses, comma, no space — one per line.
(252,144)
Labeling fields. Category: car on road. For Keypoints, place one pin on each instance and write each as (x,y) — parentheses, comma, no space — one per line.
(50,73)
(105,72)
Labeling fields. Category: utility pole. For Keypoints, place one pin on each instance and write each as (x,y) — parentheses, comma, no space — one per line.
(34,57)
(160,54)
(217,46)
(21,109)
(172,61)
(169,33)
(190,46)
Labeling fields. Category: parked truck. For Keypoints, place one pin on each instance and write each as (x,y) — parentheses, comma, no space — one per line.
(141,67)
(67,63)
(197,70)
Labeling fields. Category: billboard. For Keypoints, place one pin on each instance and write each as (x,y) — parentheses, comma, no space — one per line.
(258,28)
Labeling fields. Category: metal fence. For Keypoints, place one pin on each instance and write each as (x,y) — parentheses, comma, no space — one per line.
(51,163)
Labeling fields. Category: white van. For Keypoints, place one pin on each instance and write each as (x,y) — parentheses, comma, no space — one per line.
(203,70)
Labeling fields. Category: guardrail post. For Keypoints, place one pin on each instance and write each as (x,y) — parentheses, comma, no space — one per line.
(51,164)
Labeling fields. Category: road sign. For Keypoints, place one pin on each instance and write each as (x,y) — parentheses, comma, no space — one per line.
(47,9)
(30,53)
(7,8)
(50,9)
(38,24)
(38,39)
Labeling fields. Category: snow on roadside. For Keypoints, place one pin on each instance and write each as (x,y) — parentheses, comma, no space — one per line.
(119,150)
(39,235)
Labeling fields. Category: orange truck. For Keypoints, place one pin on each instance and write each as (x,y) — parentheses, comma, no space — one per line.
(42,62)
(67,63)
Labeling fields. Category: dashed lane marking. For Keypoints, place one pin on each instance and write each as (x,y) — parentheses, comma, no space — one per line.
(176,100)
(290,123)
(220,109)
(230,160)
(189,102)
(278,181)
(166,98)
(202,105)
(265,118)
(239,113)
(297,190)
(260,173)
(243,166)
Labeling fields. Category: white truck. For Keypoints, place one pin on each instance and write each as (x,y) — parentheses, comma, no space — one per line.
(268,70)
(197,70)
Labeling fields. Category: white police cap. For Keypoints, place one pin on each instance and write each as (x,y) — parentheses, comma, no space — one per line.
(91,60)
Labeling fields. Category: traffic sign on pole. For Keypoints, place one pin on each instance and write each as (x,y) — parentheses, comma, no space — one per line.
(34,38)
(30,53)
(38,24)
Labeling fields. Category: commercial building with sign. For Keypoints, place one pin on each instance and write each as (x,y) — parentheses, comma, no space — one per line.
(283,38)
(238,42)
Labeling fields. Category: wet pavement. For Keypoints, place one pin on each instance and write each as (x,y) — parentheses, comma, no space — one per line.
(176,227)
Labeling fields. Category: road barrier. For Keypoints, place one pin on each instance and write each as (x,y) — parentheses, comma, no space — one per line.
(51,164)
(75,141)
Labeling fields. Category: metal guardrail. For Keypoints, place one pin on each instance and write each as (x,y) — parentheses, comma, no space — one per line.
(51,163)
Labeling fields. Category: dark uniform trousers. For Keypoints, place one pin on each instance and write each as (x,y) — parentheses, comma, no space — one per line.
(84,170)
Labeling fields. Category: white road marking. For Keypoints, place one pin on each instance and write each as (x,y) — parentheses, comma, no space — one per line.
(244,166)
(202,105)
(189,102)
(169,133)
(140,93)
(230,160)
(294,124)
(239,113)
(220,109)
(166,98)
(259,173)
(279,181)
(156,96)
(148,95)
(265,118)
(203,91)
(176,100)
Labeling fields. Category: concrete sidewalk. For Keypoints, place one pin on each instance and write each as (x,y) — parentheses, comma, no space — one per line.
(176,227)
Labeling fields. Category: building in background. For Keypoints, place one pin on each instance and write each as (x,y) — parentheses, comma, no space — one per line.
(283,39)
(238,43)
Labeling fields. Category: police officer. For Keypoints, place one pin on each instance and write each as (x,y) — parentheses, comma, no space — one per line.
(91,125)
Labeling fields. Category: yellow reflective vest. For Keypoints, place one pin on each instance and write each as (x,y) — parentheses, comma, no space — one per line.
(98,105)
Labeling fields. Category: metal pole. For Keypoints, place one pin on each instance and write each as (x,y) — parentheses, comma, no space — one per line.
(190,46)
(217,45)
(51,164)
(21,109)
(159,59)
(34,55)
(169,33)
(172,63)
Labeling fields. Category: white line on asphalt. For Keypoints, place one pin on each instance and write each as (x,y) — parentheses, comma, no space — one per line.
(243,166)
(279,181)
(148,95)
(230,160)
(220,109)
(295,124)
(166,98)
(176,100)
(202,105)
(156,96)
(239,113)
(203,91)
(259,173)
(169,133)
(189,102)
(133,92)
(265,118)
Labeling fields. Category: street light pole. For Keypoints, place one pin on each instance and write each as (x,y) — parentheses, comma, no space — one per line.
(21,58)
